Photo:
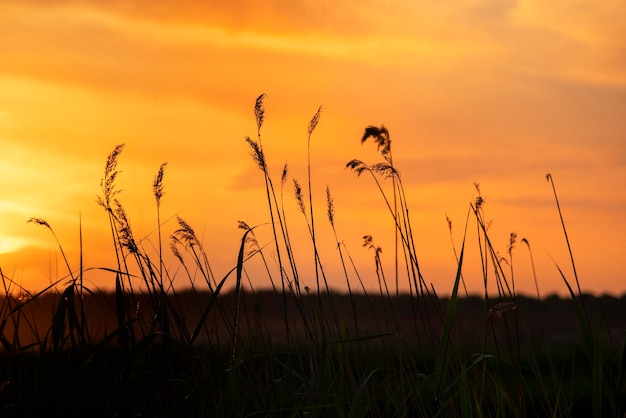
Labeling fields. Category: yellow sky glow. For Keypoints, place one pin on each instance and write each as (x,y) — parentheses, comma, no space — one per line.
(495,92)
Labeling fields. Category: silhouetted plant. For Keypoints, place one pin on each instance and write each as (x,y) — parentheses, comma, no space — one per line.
(203,351)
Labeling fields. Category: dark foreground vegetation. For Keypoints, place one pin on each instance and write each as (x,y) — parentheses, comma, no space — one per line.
(372,356)
(150,349)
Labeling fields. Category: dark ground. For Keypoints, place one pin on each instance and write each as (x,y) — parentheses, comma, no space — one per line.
(262,315)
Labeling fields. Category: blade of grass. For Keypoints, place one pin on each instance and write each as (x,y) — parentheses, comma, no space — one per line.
(60,316)
(357,407)
(219,286)
(580,313)
(448,320)
(239,267)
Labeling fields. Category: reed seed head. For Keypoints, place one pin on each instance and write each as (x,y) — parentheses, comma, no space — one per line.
(111,163)
(250,238)
(512,241)
(330,207)
(381,138)
(185,232)
(107,183)
(283,177)
(357,166)
(299,197)
(259,111)
(314,121)
(39,221)
(243,225)
(368,241)
(174,248)
(157,185)
(385,169)
(257,154)
(125,232)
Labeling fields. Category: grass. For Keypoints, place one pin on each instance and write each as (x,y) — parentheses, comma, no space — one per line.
(152,349)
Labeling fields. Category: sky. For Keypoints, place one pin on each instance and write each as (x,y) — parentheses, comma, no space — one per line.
(494,92)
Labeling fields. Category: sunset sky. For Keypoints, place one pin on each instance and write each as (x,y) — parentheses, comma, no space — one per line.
(497,92)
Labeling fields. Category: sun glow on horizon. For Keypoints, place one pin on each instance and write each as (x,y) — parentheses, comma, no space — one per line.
(9,244)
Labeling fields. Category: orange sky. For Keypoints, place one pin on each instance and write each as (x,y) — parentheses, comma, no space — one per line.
(498,92)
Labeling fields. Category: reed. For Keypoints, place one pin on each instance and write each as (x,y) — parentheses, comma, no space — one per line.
(170,341)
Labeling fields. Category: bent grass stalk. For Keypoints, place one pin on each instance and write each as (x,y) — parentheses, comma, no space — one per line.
(383,141)
(532,263)
(330,211)
(359,167)
(444,345)
(456,256)
(157,190)
(569,248)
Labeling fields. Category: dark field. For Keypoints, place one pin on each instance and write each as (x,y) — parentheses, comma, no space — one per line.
(551,320)
(372,356)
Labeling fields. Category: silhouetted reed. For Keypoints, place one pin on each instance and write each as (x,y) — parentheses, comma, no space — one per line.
(170,341)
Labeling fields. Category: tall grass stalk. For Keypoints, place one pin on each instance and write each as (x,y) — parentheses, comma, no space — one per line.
(532,263)
(312,125)
(330,211)
(157,190)
(413,272)
(259,158)
(569,247)
(65,314)
(449,318)
(456,256)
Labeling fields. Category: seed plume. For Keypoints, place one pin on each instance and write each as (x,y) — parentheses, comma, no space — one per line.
(257,154)
(174,248)
(39,221)
(107,183)
(512,241)
(298,191)
(125,232)
(314,121)
(381,138)
(157,185)
(357,166)
(259,111)
(243,225)
(185,232)
(283,177)
(385,169)
(330,206)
